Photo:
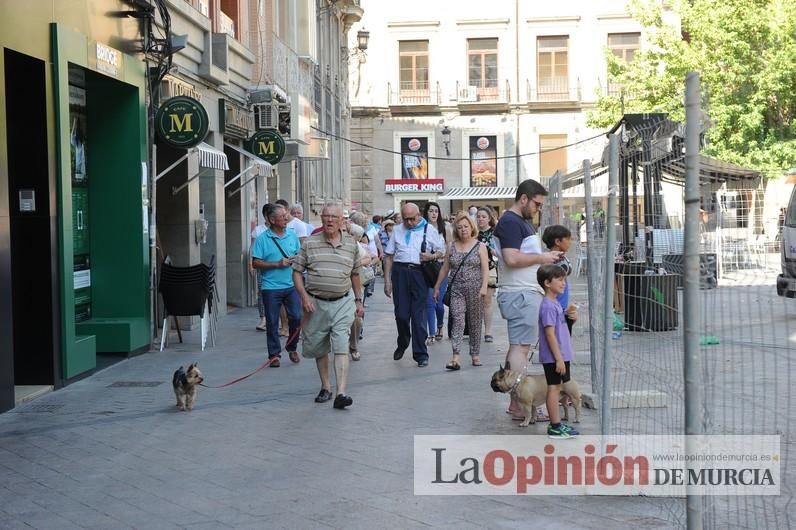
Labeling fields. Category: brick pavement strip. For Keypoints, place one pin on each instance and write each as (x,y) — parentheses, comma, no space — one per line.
(262,453)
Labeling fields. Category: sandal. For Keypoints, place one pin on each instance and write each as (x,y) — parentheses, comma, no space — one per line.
(294,356)
(429,341)
(454,364)
(476,361)
(488,338)
(439,333)
(355,356)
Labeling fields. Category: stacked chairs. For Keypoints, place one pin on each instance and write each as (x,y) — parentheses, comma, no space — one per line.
(189,291)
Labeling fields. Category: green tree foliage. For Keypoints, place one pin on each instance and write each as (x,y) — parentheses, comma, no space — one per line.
(745,53)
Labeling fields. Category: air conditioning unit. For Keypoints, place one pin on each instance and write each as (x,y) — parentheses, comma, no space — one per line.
(266,116)
(468,94)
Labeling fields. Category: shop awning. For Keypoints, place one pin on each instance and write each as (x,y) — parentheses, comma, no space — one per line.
(212,158)
(265,169)
(473,193)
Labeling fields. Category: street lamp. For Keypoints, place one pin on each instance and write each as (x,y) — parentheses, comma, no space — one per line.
(362,44)
(446,139)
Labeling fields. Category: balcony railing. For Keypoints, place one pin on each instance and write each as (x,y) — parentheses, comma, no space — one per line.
(413,94)
(483,91)
(553,89)
(226,24)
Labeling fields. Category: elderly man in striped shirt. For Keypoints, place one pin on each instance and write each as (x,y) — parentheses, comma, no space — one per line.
(331,261)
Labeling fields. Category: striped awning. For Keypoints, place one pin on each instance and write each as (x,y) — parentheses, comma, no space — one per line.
(212,158)
(264,168)
(473,193)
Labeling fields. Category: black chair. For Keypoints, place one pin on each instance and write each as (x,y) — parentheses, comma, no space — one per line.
(188,291)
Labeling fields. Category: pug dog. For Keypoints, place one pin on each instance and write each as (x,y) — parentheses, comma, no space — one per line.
(184,383)
(530,391)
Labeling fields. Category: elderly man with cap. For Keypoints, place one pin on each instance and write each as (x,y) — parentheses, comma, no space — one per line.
(404,277)
(332,263)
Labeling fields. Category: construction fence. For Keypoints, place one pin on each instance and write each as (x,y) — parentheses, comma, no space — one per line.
(631,224)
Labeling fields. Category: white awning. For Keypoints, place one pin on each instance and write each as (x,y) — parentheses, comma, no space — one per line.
(479,193)
(264,167)
(212,158)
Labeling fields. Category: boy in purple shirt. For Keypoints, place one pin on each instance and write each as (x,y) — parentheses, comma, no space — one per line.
(555,346)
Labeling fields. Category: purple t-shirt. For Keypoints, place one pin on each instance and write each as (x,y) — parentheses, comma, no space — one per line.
(551,314)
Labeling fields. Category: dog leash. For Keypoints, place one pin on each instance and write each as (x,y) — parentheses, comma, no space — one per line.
(262,366)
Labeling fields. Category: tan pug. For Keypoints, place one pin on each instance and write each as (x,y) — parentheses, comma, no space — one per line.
(531,391)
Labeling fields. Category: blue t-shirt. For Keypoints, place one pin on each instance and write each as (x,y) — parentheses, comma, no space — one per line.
(563,298)
(551,314)
(265,248)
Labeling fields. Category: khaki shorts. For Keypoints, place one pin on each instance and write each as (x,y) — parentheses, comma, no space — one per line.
(328,328)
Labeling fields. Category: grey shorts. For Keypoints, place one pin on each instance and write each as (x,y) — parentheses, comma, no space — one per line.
(327,329)
(520,310)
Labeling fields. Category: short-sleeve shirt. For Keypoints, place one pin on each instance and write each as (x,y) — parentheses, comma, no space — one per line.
(551,314)
(298,226)
(512,231)
(329,267)
(407,249)
(265,248)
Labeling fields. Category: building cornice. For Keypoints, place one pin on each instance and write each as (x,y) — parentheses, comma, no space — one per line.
(614,16)
(483,22)
(548,20)
(413,23)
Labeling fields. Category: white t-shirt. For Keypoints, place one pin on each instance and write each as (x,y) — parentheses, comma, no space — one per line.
(407,249)
(258,230)
(298,226)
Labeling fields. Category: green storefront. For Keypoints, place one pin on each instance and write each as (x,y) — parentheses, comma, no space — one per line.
(73,183)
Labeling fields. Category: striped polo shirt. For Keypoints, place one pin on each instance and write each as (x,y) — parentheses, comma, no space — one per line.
(329,267)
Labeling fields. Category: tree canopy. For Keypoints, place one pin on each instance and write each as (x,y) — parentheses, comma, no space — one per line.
(745,53)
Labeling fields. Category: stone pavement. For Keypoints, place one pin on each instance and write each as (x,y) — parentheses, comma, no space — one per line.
(262,454)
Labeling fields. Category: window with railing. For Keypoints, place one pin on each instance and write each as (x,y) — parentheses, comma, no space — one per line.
(624,47)
(552,67)
(552,154)
(413,75)
(482,71)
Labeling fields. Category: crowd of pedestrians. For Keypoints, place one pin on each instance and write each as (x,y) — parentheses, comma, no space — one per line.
(319,279)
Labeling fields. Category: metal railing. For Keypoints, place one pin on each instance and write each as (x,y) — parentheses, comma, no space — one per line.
(424,93)
(483,91)
(553,89)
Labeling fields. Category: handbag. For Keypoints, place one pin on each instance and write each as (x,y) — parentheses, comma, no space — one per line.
(446,298)
(430,269)
(368,275)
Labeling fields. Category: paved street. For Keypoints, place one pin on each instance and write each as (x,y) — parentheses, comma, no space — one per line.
(262,454)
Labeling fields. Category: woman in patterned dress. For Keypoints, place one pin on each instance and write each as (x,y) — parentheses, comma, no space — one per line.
(486,220)
(467,285)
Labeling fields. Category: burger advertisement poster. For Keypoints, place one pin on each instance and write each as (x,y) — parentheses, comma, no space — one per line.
(483,161)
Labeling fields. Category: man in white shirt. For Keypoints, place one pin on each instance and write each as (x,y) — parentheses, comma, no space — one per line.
(403,276)
(296,222)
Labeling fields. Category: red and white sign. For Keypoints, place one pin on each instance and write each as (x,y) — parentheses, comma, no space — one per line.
(482,143)
(414,144)
(414,186)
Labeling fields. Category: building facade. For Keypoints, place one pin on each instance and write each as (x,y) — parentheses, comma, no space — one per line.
(471,101)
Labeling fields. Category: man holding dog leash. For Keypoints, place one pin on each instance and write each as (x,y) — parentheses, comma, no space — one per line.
(331,261)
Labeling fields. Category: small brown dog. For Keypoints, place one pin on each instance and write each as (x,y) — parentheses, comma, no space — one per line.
(531,391)
(184,382)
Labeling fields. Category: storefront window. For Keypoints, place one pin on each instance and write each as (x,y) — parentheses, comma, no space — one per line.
(483,161)
(414,158)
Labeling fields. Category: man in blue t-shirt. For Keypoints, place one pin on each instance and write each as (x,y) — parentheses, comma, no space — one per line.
(273,254)
(519,251)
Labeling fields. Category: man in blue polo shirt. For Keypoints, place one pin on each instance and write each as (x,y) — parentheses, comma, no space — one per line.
(273,254)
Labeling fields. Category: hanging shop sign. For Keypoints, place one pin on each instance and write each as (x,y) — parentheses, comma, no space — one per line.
(182,121)
(236,121)
(171,87)
(268,145)
(414,186)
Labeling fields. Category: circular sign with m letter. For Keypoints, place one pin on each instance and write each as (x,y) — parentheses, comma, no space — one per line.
(182,122)
(267,145)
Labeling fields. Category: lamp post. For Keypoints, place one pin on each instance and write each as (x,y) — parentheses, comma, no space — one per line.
(446,140)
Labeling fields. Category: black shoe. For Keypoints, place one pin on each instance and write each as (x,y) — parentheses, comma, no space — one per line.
(422,363)
(397,354)
(323,396)
(342,401)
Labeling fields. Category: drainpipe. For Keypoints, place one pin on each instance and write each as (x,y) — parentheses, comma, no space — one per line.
(518,160)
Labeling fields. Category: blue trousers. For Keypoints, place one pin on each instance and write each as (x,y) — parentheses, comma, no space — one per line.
(410,295)
(273,300)
(436,311)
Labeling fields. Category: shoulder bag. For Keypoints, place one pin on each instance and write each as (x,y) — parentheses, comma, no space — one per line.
(429,268)
(446,298)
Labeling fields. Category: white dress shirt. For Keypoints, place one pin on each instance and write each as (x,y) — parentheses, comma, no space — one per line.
(404,252)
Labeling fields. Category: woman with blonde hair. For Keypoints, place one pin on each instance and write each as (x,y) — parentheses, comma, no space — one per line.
(467,261)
